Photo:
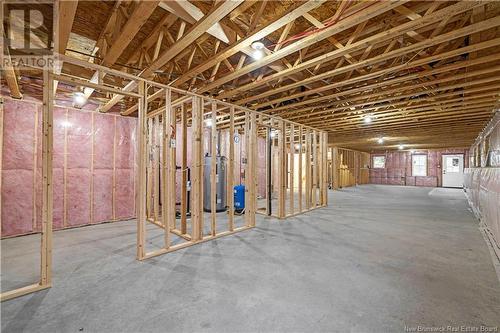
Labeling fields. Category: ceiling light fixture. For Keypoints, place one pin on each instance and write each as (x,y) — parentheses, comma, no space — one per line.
(258,48)
(257,54)
(368,119)
(401,147)
(208,122)
(79,99)
(257,45)
(380,140)
(273,134)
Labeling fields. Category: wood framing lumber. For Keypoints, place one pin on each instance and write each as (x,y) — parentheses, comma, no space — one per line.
(230,171)
(184,169)
(141,172)
(135,21)
(347,23)
(197,169)
(219,11)
(191,14)
(391,33)
(47,183)
(10,75)
(386,71)
(213,175)
(169,162)
(245,42)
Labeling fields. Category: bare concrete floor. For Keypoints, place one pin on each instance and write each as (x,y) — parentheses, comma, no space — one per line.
(379,258)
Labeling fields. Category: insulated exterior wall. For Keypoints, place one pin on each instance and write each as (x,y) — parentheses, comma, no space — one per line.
(482,181)
(92,152)
(398,167)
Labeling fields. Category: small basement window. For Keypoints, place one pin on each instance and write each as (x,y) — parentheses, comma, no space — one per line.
(378,162)
(419,165)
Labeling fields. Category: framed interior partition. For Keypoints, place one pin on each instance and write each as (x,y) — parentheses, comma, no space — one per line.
(347,167)
(194,188)
(48,82)
(196,164)
(45,278)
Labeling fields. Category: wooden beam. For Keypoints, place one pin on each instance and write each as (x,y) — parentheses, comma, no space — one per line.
(363,44)
(380,73)
(191,14)
(245,42)
(141,14)
(215,15)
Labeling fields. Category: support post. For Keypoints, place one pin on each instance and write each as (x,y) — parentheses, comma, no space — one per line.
(213,174)
(184,199)
(308,169)
(314,182)
(47,206)
(197,172)
(141,171)
(169,166)
(300,169)
(252,164)
(282,170)
(230,171)
(292,163)
(325,169)
(248,179)
(335,168)
(156,169)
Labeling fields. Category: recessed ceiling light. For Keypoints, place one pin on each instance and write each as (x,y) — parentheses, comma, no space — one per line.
(380,140)
(401,147)
(368,119)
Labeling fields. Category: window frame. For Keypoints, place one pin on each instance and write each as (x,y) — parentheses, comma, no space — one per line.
(373,161)
(413,165)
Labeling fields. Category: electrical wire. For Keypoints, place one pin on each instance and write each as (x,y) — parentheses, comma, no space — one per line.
(326,25)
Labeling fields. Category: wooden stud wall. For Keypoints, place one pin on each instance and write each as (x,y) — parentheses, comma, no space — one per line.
(156,164)
(347,167)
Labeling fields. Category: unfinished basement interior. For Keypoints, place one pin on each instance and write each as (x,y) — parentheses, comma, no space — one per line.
(250,166)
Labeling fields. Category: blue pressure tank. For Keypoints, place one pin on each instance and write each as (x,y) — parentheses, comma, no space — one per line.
(239,198)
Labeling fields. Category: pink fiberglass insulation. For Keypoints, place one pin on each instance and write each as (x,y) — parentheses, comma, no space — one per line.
(104,136)
(398,167)
(78,174)
(18,167)
(58,165)
(495,147)
(125,164)
(482,183)
(76,134)
(483,191)
(125,195)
